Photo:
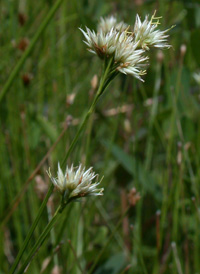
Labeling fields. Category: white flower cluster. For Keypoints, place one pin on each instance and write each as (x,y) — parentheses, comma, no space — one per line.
(117,44)
(76,182)
(148,36)
(127,47)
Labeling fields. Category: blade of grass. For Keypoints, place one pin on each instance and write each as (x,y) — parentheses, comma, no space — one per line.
(36,37)
(18,198)
(32,229)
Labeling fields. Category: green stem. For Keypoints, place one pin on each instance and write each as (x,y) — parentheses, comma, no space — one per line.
(37,35)
(21,252)
(154,109)
(41,239)
(104,82)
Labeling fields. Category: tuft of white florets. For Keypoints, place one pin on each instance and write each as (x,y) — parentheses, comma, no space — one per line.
(126,47)
(101,43)
(147,35)
(118,45)
(130,58)
(76,182)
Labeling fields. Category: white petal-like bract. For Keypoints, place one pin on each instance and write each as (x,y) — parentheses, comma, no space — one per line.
(147,35)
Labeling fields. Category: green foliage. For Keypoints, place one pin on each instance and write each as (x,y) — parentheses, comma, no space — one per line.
(142,135)
(195,44)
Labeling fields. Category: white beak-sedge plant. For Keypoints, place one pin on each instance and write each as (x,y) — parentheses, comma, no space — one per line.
(122,49)
(73,184)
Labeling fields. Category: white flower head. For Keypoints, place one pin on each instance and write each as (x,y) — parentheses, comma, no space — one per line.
(100,43)
(147,34)
(123,46)
(118,45)
(108,23)
(129,58)
(76,182)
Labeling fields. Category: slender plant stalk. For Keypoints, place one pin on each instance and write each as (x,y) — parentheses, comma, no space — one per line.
(41,239)
(32,229)
(52,235)
(154,109)
(103,84)
(37,35)
(177,260)
(76,257)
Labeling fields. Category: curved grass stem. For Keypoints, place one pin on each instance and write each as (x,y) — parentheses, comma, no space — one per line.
(41,239)
(30,233)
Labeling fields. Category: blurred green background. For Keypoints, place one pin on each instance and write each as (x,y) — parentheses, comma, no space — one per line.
(143,135)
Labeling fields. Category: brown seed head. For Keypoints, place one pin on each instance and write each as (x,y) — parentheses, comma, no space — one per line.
(133,196)
(22,18)
(23,44)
